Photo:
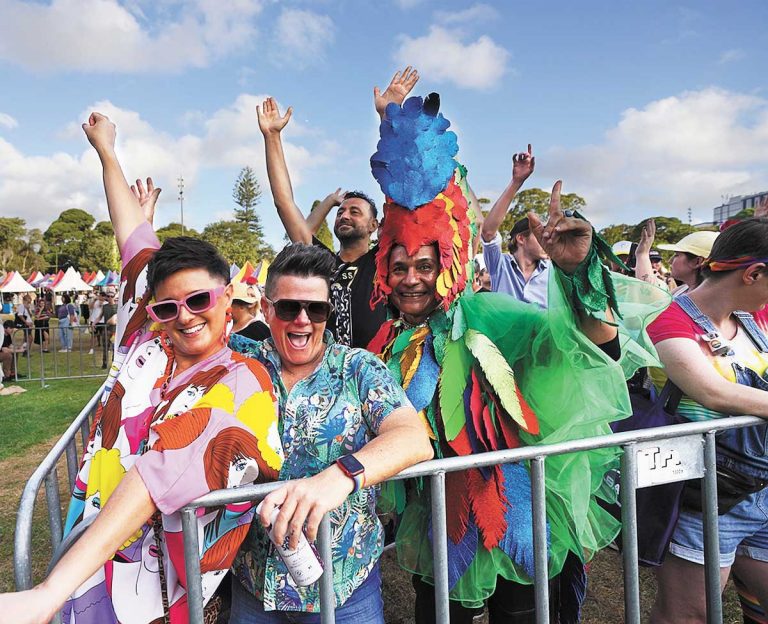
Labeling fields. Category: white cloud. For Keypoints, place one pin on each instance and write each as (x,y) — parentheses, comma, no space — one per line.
(476,13)
(680,151)
(39,187)
(444,57)
(6,121)
(302,37)
(105,35)
(731,56)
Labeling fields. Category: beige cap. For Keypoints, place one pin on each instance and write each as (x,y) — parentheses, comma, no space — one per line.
(622,248)
(697,243)
(245,292)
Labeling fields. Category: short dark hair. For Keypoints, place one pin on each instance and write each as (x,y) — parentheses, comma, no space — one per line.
(9,324)
(65,298)
(523,227)
(745,238)
(184,252)
(363,196)
(301,260)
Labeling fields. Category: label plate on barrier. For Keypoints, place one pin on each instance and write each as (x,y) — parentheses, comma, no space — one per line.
(675,459)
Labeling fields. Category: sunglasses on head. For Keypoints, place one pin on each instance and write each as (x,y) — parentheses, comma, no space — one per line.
(197,302)
(289,309)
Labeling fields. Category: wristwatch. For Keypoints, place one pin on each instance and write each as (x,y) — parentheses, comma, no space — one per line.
(353,469)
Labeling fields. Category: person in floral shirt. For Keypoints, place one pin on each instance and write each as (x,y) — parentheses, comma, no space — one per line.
(333,401)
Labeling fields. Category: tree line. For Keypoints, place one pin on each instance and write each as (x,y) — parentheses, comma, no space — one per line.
(76,239)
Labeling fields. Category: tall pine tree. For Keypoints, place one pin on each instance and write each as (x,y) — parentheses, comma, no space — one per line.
(247,194)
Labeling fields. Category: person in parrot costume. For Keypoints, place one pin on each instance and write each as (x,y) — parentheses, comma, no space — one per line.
(486,372)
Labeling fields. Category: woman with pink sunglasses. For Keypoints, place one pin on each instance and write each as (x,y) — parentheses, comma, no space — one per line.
(181,415)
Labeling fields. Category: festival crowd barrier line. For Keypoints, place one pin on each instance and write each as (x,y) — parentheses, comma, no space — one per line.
(650,457)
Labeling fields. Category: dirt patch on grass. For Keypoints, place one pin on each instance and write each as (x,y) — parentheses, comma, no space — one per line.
(16,471)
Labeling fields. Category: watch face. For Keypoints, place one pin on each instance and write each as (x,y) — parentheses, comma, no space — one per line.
(351,466)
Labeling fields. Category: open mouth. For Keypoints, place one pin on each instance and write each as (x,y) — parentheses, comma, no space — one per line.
(191,331)
(298,340)
(412,295)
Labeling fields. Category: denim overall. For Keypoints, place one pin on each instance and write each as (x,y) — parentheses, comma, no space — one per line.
(743,449)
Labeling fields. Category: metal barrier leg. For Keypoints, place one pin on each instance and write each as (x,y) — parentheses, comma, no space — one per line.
(711,535)
(629,534)
(327,595)
(85,430)
(53,501)
(192,564)
(72,464)
(540,557)
(439,547)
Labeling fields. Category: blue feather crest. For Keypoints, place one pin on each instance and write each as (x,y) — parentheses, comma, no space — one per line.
(414,159)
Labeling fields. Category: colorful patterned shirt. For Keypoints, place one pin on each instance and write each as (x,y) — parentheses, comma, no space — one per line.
(336,410)
(211,426)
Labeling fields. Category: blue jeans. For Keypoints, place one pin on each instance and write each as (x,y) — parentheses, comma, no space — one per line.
(742,531)
(364,606)
(65,333)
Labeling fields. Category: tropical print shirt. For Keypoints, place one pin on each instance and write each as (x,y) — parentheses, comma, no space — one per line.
(333,412)
(212,426)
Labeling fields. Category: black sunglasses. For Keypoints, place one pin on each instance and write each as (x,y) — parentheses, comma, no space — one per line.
(289,309)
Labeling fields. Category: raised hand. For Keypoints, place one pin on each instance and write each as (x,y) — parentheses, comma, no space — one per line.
(147,198)
(566,239)
(101,132)
(399,88)
(647,236)
(335,198)
(270,121)
(523,165)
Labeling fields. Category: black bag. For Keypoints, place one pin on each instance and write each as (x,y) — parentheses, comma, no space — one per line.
(732,488)
(658,507)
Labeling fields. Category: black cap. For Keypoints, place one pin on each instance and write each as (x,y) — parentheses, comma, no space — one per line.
(521,227)
(655,255)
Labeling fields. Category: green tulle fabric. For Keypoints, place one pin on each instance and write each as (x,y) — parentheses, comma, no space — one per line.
(575,390)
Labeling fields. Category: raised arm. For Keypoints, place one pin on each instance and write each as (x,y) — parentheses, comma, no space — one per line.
(124,210)
(523,165)
(271,125)
(318,214)
(398,89)
(567,241)
(643,268)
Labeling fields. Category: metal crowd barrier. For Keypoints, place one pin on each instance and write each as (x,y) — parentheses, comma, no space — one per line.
(650,457)
(51,365)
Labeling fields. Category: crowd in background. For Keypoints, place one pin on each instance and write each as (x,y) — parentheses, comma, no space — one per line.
(347,420)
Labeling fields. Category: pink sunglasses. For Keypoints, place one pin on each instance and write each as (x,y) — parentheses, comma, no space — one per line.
(197,302)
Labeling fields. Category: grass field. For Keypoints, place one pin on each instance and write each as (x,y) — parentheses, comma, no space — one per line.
(31,422)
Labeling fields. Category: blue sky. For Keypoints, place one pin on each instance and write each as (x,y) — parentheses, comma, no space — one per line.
(642,108)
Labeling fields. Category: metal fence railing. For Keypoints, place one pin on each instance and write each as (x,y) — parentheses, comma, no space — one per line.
(687,451)
(89,354)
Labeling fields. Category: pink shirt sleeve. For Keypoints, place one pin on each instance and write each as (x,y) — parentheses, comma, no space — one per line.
(143,237)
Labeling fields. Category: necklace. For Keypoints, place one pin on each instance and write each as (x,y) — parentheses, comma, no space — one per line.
(408,325)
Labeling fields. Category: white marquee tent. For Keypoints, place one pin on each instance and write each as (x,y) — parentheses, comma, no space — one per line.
(71,281)
(17,284)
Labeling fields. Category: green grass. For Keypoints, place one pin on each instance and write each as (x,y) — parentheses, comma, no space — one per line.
(77,363)
(41,413)
(29,424)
